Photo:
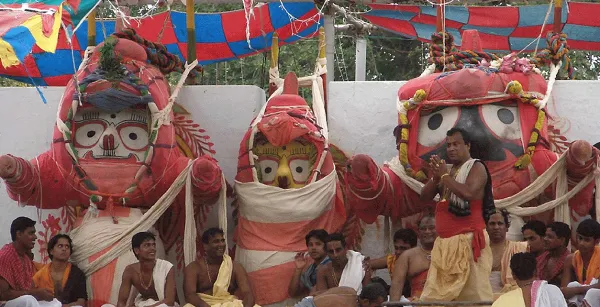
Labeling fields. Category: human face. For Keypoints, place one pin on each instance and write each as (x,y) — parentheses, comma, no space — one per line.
(216,246)
(400,247)
(316,248)
(61,251)
(457,150)
(552,241)
(27,238)
(376,303)
(427,233)
(336,252)
(147,250)
(534,241)
(586,244)
(497,228)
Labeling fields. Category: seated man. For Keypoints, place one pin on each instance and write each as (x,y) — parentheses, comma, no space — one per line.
(64,280)
(531,292)
(533,233)
(153,279)
(502,250)
(210,280)
(17,269)
(345,269)
(550,263)
(582,269)
(304,279)
(413,264)
(373,295)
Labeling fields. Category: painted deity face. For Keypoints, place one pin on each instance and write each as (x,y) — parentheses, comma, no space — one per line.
(111,135)
(288,166)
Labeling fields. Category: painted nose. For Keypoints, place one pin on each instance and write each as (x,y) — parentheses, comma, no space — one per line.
(283,182)
(108,142)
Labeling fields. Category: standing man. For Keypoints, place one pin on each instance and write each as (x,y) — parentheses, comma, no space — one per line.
(413,265)
(461,260)
(304,279)
(17,269)
(153,279)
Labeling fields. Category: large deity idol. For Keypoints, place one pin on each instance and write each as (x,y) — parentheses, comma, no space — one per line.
(114,156)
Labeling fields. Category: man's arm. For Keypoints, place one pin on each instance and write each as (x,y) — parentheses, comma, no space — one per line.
(125,288)
(569,276)
(322,278)
(430,190)
(7,294)
(379,263)
(170,288)
(241,278)
(295,287)
(399,277)
(472,188)
(190,282)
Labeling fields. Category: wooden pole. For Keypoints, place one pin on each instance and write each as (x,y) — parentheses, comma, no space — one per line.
(274,61)
(191,30)
(323,54)
(557,16)
(92,28)
(440,16)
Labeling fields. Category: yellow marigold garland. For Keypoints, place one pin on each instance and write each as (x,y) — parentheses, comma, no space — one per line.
(410,104)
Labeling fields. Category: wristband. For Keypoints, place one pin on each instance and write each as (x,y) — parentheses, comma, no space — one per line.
(442,177)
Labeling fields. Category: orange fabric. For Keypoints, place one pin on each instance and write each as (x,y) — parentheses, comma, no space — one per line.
(104,276)
(391,263)
(417,283)
(271,284)
(593,269)
(448,225)
(43,278)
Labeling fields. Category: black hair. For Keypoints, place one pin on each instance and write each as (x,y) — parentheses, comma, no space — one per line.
(523,265)
(319,234)
(589,228)
(505,216)
(561,230)
(336,237)
(407,235)
(382,282)
(536,226)
(211,232)
(55,239)
(463,133)
(20,224)
(139,238)
(373,291)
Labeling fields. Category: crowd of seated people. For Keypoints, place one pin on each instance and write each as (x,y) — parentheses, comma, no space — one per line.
(539,271)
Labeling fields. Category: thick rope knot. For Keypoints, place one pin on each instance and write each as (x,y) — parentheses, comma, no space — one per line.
(446,57)
(557,50)
(159,56)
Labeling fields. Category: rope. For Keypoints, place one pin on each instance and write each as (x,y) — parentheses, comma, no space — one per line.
(556,50)
(446,57)
(159,56)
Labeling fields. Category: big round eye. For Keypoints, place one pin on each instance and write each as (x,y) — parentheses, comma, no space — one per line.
(502,120)
(300,169)
(268,170)
(433,126)
(134,137)
(87,135)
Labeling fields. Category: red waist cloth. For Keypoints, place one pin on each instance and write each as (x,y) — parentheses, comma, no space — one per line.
(448,225)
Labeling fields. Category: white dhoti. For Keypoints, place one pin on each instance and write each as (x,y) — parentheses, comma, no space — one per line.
(590,299)
(30,301)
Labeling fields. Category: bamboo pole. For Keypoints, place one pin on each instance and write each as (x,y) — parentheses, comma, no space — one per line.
(91,19)
(274,61)
(453,303)
(191,30)
(440,16)
(323,54)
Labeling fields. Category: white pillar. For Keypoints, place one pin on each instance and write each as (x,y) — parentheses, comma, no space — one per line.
(360,71)
(329,48)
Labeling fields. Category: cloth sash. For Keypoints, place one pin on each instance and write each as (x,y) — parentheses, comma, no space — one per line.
(159,276)
(593,269)
(221,297)
(556,271)
(309,277)
(417,283)
(353,273)
(449,225)
(16,270)
(544,294)
(391,263)
(511,248)
(43,278)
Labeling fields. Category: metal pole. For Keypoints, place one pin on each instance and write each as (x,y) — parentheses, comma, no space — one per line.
(360,71)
